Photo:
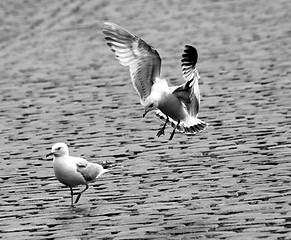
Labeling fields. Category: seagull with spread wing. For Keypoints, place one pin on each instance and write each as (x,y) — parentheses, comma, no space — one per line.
(177,106)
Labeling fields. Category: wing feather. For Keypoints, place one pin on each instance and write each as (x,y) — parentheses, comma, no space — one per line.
(143,60)
(189,60)
(189,92)
(88,170)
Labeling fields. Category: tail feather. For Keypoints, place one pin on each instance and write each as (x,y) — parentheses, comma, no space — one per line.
(105,165)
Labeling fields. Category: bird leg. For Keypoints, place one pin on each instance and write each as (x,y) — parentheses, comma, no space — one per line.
(72,194)
(161,131)
(79,194)
(173,133)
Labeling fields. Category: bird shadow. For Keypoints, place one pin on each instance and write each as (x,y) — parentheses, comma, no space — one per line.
(78,209)
(71,212)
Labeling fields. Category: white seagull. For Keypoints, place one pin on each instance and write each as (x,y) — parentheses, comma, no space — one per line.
(177,106)
(74,171)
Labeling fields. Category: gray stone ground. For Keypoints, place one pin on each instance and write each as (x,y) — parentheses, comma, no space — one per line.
(60,82)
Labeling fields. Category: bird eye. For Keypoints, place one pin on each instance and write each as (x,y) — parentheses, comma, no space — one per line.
(59,148)
(151,105)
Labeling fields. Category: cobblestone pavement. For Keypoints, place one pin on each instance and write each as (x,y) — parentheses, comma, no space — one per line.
(60,82)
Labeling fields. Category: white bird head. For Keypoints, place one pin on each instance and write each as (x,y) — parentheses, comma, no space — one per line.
(150,105)
(59,149)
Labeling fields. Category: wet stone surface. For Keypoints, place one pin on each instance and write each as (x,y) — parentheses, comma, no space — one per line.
(60,82)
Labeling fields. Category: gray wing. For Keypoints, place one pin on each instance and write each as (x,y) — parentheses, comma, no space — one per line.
(88,170)
(189,92)
(143,60)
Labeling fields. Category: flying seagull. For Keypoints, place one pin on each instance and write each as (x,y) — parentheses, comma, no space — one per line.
(177,106)
(74,171)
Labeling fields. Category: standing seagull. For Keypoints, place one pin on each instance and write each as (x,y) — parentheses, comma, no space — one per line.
(74,171)
(177,106)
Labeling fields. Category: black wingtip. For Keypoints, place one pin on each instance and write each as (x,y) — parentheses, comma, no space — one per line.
(190,47)
(105,165)
(190,56)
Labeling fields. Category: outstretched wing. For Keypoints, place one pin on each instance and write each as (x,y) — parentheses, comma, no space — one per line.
(143,60)
(189,93)
(189,60)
